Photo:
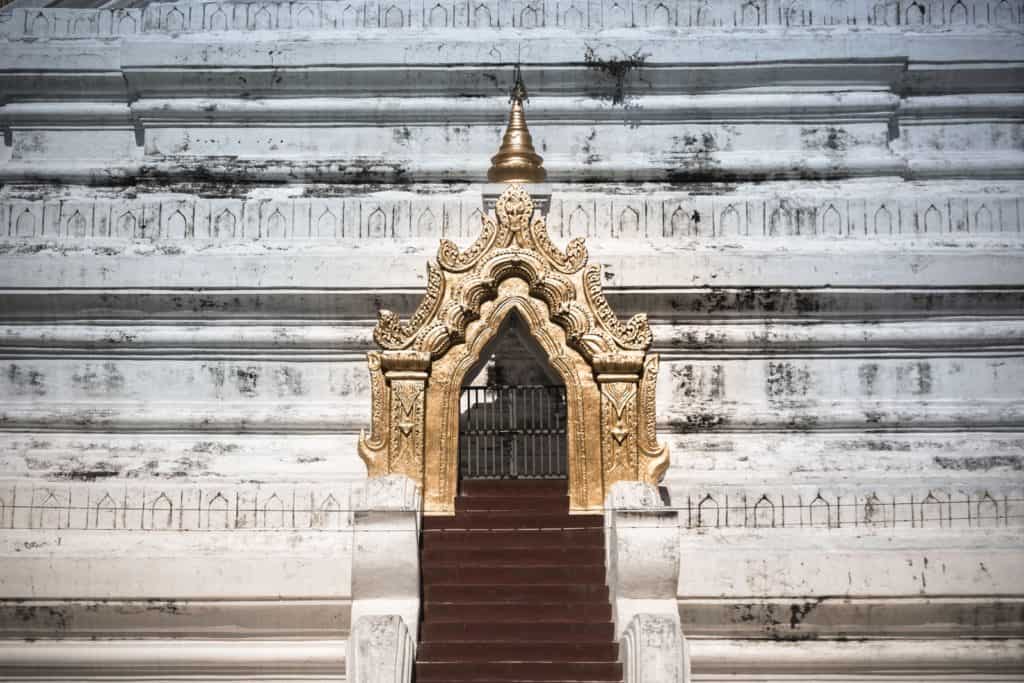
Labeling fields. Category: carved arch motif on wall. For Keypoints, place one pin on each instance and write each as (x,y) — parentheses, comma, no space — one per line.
(513,265)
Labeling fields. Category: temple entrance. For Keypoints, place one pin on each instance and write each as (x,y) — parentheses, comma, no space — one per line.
(513,412)
(513,287)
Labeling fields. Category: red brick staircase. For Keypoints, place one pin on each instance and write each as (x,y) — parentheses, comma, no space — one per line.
(514,589)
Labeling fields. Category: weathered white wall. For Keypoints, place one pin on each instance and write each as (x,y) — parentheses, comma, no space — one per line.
(820,205)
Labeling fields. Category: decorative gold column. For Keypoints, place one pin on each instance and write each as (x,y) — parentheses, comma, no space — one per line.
(406,374)
(618,375)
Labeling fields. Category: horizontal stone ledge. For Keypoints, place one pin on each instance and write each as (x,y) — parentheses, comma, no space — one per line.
(685,167)
(816,617)
(208,417)
(673,49)
(440,167)
(306,339)
(179,619)
(870,656)
(719,268)
(663,304)
(797,106)
(531,18)
(807,415)
(344,112)
(350,416)
(210,564)
(707,546)
(987,105)
(321,660)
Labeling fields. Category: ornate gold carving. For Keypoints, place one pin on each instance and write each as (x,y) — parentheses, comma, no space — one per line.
(407,428)
(635,334)
(391,333)
(455,261)
(571,260)
(516,160)
(618,414)
(655,458)
(514,266)
(374,450)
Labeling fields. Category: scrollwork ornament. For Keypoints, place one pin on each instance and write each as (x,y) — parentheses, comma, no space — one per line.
(574,257)
(514,209)
(392,334)
(655,458)
(635,334)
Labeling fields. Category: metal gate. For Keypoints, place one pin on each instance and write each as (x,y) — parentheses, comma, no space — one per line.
(510,432)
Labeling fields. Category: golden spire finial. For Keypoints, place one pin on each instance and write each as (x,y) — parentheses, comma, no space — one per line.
(516,160)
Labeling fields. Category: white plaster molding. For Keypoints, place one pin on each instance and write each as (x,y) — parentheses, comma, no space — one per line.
(628,272)
(654,651)
(264,618)
(115,564)
(381,650)
(348,342)
(680,416)
(221,660)
(413,15)
(385,557)
(885,215)
(642,540)
(843,617)
(719,107)
(748,660)
(693,304)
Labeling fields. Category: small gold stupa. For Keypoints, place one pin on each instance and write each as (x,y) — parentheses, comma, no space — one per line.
(516,160)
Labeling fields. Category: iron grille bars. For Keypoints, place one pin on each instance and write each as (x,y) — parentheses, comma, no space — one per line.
(512,432)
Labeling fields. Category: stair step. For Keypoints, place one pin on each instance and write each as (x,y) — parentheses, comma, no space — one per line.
(568,592)
(470,650)
(545,503)
(517,671)
(488,554)
(478,574)
(517,632)
(513,487)
(506,519)
(548,612)
(480,538)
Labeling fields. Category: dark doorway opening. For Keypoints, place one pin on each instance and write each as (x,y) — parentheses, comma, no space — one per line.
(512,416)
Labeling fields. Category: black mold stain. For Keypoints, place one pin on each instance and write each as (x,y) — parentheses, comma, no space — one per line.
(980,464)
(289,382)
(699,422)
(924,379)
(95,381)
(785,382)
(829,139)
(615,69)
(402,135)
(798,612)
(868,374)
(246,380)
(26,381)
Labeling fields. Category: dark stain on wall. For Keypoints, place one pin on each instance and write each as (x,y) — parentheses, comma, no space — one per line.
(980,464)
(105,379)
(616,69)
(786,382)
(289,382)
(26,381)
(246,380)
(868,374)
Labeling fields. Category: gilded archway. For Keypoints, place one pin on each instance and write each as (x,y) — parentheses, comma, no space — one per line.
(608,373)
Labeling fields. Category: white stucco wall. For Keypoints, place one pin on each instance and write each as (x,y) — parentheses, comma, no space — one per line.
(819,204)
